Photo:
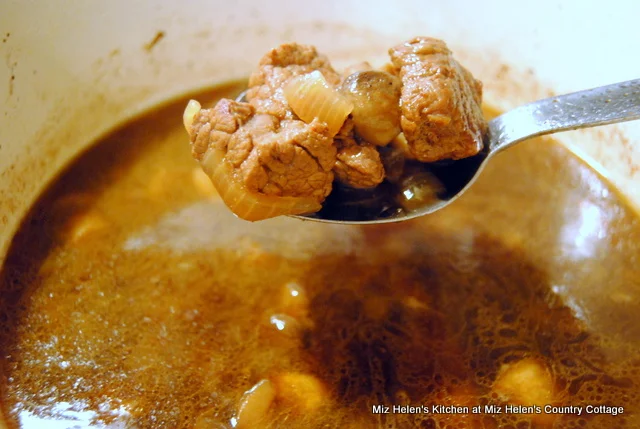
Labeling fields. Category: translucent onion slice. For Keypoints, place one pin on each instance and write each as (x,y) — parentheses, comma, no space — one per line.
(249,205)
(310,96)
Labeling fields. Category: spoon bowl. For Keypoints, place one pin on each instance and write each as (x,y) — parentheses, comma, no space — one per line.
(604,105)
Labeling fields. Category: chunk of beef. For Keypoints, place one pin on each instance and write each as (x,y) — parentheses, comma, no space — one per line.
(358,164)
(273,157)
(276,68)
(214,127)
(440,101)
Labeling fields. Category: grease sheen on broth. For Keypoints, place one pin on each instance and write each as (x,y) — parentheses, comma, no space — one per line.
(132,294)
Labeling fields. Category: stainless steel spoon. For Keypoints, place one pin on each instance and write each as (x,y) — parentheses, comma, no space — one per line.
(609,104)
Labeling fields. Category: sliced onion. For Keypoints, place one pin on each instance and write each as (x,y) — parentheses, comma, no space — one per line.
(190,112)
(310,96)
(246,204)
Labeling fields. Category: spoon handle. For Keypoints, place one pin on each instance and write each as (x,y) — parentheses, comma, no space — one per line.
(609,104)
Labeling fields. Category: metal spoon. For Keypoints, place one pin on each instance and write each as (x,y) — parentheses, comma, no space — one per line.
(604,105)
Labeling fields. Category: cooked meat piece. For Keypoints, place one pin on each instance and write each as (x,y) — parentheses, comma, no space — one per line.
(273,157)
(375,96)
(274,71)
(440,102)
(358,164)
(215,126)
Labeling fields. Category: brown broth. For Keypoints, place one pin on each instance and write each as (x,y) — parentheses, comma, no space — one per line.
(155,312)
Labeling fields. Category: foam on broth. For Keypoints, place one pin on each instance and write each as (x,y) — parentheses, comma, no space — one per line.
(132,295)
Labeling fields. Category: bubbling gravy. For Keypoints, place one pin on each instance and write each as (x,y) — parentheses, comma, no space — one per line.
(133,298)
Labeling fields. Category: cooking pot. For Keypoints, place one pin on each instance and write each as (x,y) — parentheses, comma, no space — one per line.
(72,72)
